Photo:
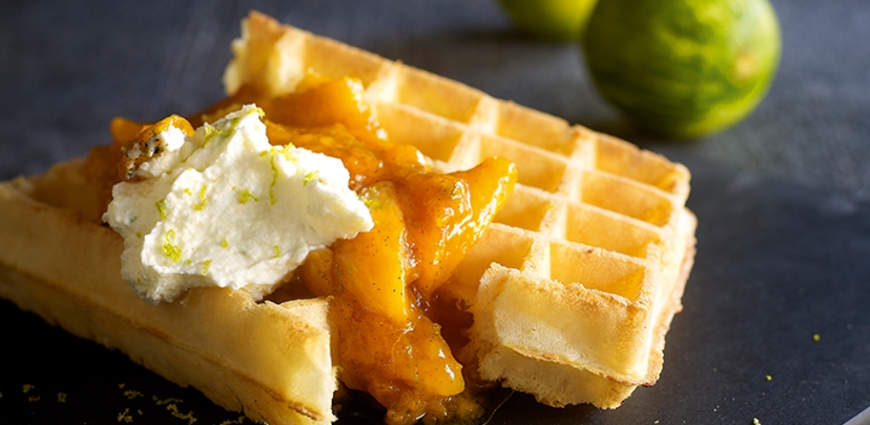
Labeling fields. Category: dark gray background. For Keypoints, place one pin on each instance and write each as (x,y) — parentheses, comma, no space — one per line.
(782,198)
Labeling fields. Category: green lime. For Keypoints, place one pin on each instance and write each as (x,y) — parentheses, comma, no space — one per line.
(562,20)
(683,68)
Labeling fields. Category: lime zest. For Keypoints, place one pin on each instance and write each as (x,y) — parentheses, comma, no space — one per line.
(274,176)
(161,208)
(246,196)
(171,251)
(210,133)
(309,177)
(202,199)
(373,204)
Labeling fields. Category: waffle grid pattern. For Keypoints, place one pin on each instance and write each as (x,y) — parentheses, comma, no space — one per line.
(577,188)
(591,216)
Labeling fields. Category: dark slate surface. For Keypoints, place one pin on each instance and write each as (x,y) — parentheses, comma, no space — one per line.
(782,198)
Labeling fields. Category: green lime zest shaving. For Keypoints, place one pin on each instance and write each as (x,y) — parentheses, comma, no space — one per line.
(171,251)
(312,175)
(161,208)
(246,196)
(202,199)
(274,176)
(210,133)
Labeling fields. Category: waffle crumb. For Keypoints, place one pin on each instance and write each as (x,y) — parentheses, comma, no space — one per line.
(125,416)
(173,408)
(130,394)
(166,400)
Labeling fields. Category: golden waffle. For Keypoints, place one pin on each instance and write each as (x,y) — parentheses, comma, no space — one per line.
(582,270)
(579,275)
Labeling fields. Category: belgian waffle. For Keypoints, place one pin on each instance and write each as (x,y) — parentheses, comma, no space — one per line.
(573,287)
(583,269)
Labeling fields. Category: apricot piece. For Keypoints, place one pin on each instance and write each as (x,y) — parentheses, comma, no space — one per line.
(336,101)
(316,272)
(374,264)
(422,356)
(447,214)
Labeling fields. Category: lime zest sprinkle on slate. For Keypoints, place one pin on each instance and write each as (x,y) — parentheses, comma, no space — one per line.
(817,337)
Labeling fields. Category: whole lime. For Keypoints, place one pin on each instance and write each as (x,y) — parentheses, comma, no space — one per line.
(683,68)
(560,20)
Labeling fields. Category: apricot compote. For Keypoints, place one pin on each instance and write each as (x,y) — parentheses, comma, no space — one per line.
(383,284)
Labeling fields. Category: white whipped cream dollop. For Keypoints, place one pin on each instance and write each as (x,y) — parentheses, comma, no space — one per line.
(222,207)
